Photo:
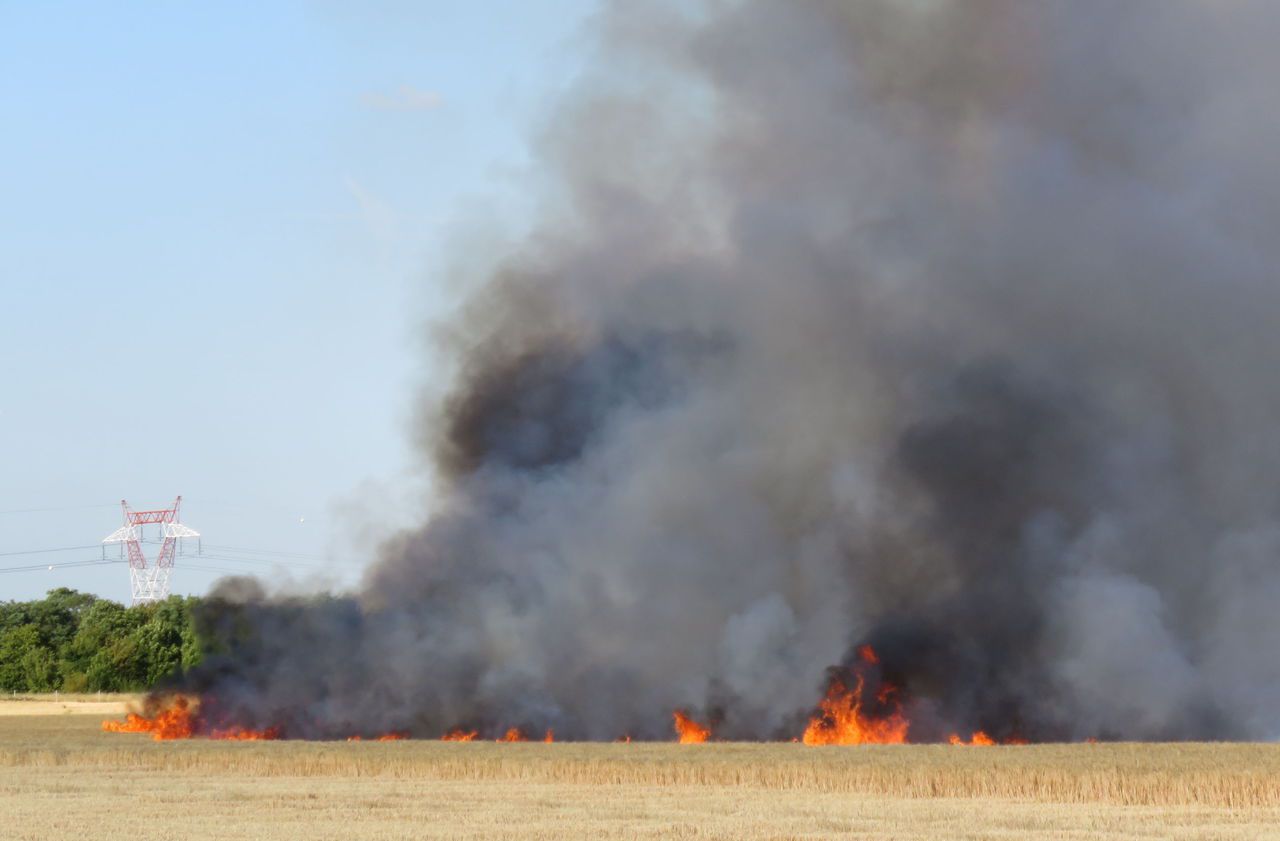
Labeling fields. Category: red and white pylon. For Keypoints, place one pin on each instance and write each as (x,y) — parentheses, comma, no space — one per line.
(150,583)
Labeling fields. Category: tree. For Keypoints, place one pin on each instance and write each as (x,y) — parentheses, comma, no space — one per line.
(57,616)
(170,638)
(40,668)
(15,643)
(81,643)
(95,650)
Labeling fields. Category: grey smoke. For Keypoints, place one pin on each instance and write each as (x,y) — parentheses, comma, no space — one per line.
(944,325)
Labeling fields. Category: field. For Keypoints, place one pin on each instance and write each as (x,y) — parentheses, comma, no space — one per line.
(62,778)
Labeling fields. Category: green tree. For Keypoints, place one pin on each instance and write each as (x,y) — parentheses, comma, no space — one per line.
(14,614)
(80,642)
(57,615)
(26,663)
(96,651)
(169,639)
(119,667)
(40,668)
(15,643)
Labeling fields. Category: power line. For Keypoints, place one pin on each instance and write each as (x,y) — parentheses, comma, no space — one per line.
(227,553)
(235,550)
(203,568)
(240,555)
(223,553)
(112,561)
(62,565)
(43,567)
(46,551)
(260,561)
(219,548)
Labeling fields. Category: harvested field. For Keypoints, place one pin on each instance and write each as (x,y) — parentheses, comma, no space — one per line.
(96,703)
(60,774)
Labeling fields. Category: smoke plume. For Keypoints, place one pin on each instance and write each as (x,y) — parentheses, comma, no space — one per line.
(947,326)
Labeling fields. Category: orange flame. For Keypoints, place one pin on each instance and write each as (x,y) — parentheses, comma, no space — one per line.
(513,734)
(978,738)
(550,737)
(175,717)
(841,720)
(174,721)
(689,731)
(460,735)
(244,734)
(393,736)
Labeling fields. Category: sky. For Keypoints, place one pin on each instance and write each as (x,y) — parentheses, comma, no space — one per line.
(223,228)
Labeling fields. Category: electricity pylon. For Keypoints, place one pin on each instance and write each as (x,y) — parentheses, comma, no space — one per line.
(150,583)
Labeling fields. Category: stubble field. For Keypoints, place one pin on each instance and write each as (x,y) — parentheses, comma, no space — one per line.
(61,777)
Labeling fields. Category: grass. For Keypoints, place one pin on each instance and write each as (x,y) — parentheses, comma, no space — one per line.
(59,774)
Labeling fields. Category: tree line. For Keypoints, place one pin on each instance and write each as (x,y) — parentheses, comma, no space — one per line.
(77,642)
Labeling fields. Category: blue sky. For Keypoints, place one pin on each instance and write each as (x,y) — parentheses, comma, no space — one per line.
(222,228)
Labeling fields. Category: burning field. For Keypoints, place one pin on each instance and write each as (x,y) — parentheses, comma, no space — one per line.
(849,714)
(61,773)
(876,372)
(878,425)
(860,707)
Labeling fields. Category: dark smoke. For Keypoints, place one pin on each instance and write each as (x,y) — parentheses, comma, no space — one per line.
(944,325)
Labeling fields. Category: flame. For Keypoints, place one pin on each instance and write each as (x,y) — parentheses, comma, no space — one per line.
(847,715)
(978,738)
(174,719)
(689,731)
(842,722)
(393,736)
(625,740)
(513,734)
(244,734)
(841,719)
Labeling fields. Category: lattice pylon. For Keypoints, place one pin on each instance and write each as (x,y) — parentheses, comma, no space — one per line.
(150,583)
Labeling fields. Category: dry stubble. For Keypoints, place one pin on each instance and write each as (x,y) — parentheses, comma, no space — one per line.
(60,775)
